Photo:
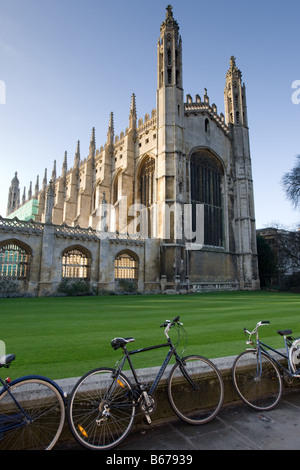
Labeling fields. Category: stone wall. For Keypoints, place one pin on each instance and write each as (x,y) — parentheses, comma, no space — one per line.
(47,242)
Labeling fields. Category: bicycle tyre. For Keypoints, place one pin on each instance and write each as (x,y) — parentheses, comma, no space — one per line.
(200,403)
(261,393)
(95,394)
(294,356)
(44,404)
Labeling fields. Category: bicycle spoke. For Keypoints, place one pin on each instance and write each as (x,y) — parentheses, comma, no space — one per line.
(258,383)
(101,410)
(196,391)
(44,407)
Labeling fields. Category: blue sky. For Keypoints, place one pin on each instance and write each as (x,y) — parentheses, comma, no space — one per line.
(66,64)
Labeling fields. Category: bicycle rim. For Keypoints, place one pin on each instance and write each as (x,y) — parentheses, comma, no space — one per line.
(259,386)
(45,414)
(101,409)
(196,394)
(294,356)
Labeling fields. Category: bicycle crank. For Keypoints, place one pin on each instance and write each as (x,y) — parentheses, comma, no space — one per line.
(147,405)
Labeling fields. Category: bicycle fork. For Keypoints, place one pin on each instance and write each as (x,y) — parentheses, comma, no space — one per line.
(258,364)
(27,419)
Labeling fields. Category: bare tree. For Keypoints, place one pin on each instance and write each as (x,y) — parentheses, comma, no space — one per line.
(291,183)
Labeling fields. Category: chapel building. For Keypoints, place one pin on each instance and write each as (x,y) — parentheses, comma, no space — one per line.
(167,204)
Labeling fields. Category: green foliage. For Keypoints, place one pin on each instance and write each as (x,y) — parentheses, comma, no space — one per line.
(9,286)
(13,288)
(267,264)
(74,287)
(126,285)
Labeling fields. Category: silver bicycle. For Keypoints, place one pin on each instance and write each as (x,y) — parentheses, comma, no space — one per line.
(256,373)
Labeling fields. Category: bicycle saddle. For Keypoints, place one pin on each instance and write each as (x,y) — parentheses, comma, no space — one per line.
(6,359)
(284,332)
(121,342)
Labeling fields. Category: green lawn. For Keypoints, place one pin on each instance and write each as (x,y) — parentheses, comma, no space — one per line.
(66,337)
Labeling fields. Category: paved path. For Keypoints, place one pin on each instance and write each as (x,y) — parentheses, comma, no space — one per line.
(235,428)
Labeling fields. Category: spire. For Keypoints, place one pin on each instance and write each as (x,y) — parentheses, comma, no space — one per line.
(65,165)
(54,172)
(24,196)
(111,131)
(93,144)
(36,189)
(45,180)
(233,71)
(169,53)
(169,21)
(77,155)
(132,114)
(15,180)
(235,96)
(30,191)
(133,106)
(13,195)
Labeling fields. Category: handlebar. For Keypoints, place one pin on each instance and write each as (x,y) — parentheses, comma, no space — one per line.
(250,333)
(168,324)
(171,323)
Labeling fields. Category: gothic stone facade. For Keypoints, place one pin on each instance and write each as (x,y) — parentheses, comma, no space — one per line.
(168,203)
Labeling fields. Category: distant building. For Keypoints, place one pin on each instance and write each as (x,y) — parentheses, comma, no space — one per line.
(285,246)
(168,203)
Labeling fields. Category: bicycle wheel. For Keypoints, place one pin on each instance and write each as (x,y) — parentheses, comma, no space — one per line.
(39,425)
(101,409)
(195,390)
(259,387)
(294,356)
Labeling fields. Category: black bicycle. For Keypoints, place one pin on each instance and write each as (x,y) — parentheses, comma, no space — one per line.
(32,411)
(103,404)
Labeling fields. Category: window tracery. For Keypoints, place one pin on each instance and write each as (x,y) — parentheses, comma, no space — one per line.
(206,180)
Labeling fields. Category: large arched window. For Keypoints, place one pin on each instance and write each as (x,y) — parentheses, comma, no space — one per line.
(126,266)
(76,264)
(14,260)
(206,179)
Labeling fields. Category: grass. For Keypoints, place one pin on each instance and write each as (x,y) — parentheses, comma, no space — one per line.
(66,337)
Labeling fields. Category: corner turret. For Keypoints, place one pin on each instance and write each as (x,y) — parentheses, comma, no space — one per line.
(235,96)
(13,195)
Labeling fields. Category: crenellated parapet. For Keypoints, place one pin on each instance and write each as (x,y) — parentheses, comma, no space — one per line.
(203,106)
(148,123)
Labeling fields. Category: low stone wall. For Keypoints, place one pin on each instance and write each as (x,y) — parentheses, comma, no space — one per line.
(164,410)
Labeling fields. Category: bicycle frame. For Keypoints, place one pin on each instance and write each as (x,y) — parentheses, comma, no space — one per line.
(260,346)
(172,351)
(6,388)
